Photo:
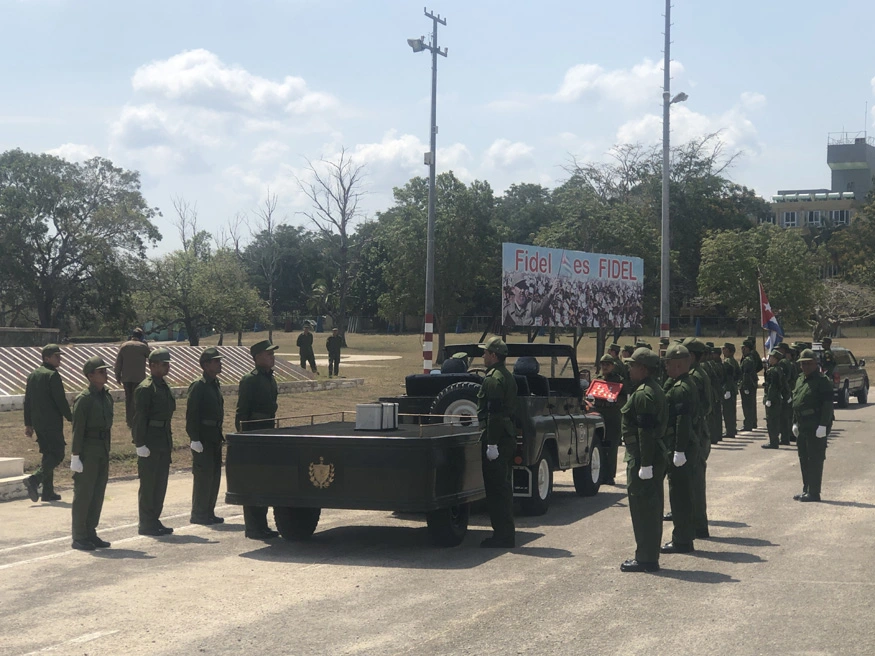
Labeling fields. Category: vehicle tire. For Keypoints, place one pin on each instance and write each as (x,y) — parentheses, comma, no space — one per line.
(863,394)
(845,396)
(542,483)
(588,479)
(457,404)
(447,527)
(296,524)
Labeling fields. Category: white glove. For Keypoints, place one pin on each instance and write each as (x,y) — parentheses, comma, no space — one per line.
(727,395)
(768,404)
(795,430)
(76,464)
(491,452)
(645,473)
(680,459)
(143,451)
(747,392)
(197,446)
(820,432)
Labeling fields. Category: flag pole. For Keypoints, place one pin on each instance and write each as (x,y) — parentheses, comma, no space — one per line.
(762,321)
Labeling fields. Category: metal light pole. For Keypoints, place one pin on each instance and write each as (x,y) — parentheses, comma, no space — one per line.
(667,102)
(418,45)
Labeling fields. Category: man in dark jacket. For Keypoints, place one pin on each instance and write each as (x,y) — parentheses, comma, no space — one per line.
(305,349)
(334,344)
(130,368)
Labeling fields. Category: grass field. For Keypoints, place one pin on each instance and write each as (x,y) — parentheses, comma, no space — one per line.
(382,377)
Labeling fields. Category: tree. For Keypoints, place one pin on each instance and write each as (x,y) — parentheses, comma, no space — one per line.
(66,233)
(840,303)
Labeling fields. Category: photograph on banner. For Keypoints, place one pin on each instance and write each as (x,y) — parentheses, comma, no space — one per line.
(562,288)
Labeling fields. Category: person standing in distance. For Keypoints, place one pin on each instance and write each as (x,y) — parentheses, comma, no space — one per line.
(702,382)
(731,376)
(204,413)
(645,418)
(89,460)
(812,413)
(305,348)
(256,410)
(130,368)
(610,412)
(750,366)
(154,406)
(45,408)
(496,402)
(774,393)
(827,358)
(333,344)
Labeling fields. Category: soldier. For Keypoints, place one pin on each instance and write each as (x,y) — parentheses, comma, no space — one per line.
(256,410)
(45,408)
(89,460)
(774,392)
(788,366)
(523,311)
(715,373)
(640,343)
(627,352)
(827,358)
(154,406)
(680,438)
(702,381)
(610,412)
(130,368)
(204,413)
(750,366)
(664,343)
(333,344)
(496,401)
(305,348)
(812,413)
(645,417)
(619,367)
(731,376)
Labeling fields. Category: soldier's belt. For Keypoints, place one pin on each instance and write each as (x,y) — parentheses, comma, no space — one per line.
(97,433)
(806,413)
(212,423)
(158,423)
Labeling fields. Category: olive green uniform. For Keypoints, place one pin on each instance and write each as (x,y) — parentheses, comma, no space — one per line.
(610,413)
(682,400)
(645,417)
(774,393)
(92,427)
(790,375)
(828,363)
(750,366)
(256,405)
(45,408)
(812,407)
(204,414)
(154,406)
(305,349)
(333,345)
(715,417)
(699,472)
(731,378)
(496,402)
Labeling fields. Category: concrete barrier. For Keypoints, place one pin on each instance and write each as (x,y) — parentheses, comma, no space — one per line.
(12,479)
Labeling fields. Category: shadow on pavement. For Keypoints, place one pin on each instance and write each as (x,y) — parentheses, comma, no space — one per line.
(849,504)
(227,527)
(743,542)
(695,576)
(185,539)
(114,554)
(51,504)
(717,522)
(729,556)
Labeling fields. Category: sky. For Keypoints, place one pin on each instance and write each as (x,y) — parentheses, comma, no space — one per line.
(220,102)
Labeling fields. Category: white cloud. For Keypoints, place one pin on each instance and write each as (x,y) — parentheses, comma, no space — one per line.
(503,153)
(632,86)
(74,152)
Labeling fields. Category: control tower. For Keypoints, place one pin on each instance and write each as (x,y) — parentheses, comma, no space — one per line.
(851,156)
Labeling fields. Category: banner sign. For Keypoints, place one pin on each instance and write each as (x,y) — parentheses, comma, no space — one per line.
(555,287)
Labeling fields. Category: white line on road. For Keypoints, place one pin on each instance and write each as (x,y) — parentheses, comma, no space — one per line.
(88,637)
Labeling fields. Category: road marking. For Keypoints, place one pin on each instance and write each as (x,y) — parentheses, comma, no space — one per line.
(88,637)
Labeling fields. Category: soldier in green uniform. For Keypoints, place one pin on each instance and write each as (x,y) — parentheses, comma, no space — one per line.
(702,381)
(731,376)
(750,366)
(154,406)
(333,345)
(45,408)
(92,426)
(812,413)
(827,358)
(204,413)
(775,390)
(627,352)
(256,410)
(788,366)
(619,367)
(305,349)
(640,343)
(496,402)
(664,343)
(680,438)
(610,412)
(715,373)
(645,417)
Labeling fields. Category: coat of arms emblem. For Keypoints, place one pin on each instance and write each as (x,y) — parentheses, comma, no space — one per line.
(321,475)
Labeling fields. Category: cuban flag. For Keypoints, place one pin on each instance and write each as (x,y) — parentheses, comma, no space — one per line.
(565,267)
(769,322)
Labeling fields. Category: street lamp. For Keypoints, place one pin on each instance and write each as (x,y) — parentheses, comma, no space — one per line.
(418,45)
(667,102)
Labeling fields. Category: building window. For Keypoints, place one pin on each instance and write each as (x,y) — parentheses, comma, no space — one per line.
(789,220)
(768,219)
(814,218)
(840,217)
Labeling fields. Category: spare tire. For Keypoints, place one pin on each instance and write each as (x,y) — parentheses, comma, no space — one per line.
(456,404)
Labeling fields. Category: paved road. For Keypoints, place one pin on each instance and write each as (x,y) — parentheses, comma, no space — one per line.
(777,576)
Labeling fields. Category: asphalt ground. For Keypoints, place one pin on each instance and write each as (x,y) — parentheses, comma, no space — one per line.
(776,577)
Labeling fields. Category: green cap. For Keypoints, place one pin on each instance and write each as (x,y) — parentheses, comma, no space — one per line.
(775,353)
(664,341)
(729,346)
(807,355)
(261,347)
(644,356)
(642,344)
(783,346)
(709,344)
(160,354)
(518,279)
(461,355)
(695,345)
(94,363)
(50,349)
(608,358)
(825,340)
(495,345)
(677,352)
(749,341)
(209,354)
(629,347)
(615,347)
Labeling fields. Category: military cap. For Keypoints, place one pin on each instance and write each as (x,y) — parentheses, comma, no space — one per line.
(775,353)
(261,347)
(160,354)
(782,346)
(642,344)
(729,346)
(209,354)
(749,341)
(50,349)
(695,345)
(825,340)
(644,356)
(495,345)
(677,352)
(518,279)
(709,344)
(608,358)
(629,347)
(137,331)
(461,355)
(807,355)
(664,341)
(615,347)
(94,363)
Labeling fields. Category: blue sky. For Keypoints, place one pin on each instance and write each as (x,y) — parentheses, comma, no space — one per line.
(217,101)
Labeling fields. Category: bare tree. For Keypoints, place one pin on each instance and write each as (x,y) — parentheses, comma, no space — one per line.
(840,303)
(268,259)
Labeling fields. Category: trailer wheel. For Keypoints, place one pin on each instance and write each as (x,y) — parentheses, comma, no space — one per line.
(542,486)
(448,526)
(457,404)
(588,479)
(296,524)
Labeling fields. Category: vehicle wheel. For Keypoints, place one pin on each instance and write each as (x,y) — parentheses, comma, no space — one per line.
(296,524)
(863,395)
(448,526)
(845,396)
(457,404)
(542,482)
(588,479)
